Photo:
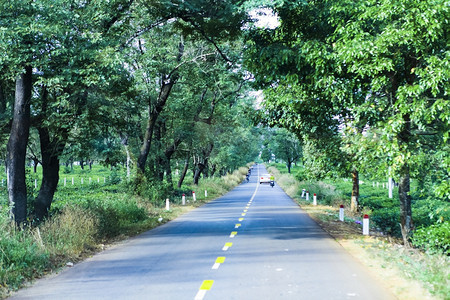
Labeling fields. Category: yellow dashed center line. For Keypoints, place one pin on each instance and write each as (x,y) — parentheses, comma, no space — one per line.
(219,260)
(227,246)
(206,286)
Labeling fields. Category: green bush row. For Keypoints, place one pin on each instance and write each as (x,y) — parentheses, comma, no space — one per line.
(434,238)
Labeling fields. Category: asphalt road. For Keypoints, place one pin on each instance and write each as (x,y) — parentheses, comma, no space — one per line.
(253,243)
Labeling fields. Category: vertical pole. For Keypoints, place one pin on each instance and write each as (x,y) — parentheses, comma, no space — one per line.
(366,225)
(183,199)
(167,204)
(72,181)
(303,193)
(206,193)
(65,181)
(307,196)
(193,196)
(314,199)
(341,213)
(35,183)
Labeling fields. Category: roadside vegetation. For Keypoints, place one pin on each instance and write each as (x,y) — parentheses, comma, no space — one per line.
(86,218)
(427,262)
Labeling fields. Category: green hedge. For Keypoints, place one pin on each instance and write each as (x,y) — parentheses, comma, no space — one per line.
(433,238)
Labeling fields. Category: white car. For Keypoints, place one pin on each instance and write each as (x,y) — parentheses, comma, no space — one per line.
(264,178)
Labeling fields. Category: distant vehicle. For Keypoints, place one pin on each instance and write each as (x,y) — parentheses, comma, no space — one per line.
(264,178)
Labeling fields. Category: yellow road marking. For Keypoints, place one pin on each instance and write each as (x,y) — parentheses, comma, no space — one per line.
(206,285)
(227,245)
(233,233)
(237,225)
(220,260)
(243,214)
(241,219)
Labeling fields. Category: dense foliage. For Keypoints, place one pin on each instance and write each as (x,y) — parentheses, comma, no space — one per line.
(365,86)
(154,85)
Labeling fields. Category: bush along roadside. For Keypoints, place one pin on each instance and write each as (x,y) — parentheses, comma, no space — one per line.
(427,264)
(82,223)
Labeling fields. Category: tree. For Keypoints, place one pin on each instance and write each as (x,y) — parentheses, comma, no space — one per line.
(286,147)
(397,49)
(17,146)
(378,68)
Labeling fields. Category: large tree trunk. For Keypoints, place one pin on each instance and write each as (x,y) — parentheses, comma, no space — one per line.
(124,141)
(168,155)
(51,149)
(50,174)
(202,163)
(406,222)
(17,147)
(355,191)
(184,172)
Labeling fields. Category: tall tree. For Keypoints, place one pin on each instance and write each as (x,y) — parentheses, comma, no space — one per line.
(286,147)
(17,146)
(377,66)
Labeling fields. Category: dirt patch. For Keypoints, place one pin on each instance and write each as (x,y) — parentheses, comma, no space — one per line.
(364,248)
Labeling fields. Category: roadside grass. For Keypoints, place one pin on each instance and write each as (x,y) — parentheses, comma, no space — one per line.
(86,217)
(430,271)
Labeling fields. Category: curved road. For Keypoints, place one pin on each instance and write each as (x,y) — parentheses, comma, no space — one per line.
(253,243)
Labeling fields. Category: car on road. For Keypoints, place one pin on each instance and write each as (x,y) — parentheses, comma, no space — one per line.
(264,178)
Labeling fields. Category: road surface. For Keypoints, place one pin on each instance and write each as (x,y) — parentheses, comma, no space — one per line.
(253,243)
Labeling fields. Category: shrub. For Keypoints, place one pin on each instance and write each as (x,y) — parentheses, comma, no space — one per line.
(428,211)
(387,219)
(377,202)
(20,257)
(115,214)
(434,238)
(68,233)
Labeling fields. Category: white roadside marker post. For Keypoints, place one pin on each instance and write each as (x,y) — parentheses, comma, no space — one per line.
(303,193)
(167,204)
(206,194)
(183,199)
(341,213)
(366,225)
(193,196)
(307,196)
(314,199)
